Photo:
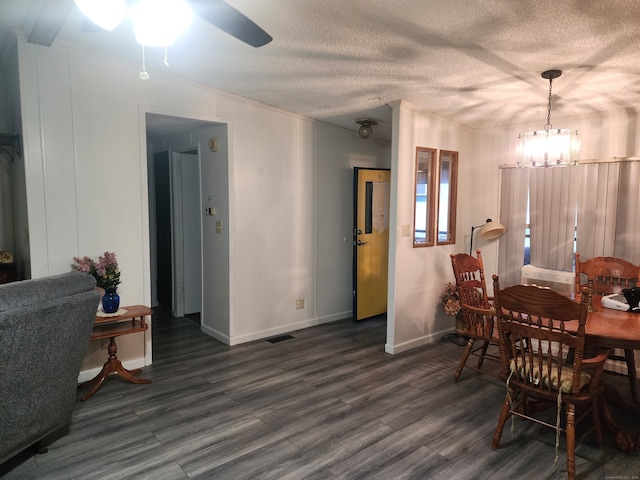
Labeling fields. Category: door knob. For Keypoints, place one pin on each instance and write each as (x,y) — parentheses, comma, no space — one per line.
(360,242)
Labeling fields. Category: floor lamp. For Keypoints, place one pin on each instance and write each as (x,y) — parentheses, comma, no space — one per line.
(488,230)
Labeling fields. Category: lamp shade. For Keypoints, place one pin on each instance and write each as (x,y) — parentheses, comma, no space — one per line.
(491,230)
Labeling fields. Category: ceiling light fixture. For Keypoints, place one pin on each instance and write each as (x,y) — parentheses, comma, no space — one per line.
(106,14)
(551,146)
(157,23)
(365,130)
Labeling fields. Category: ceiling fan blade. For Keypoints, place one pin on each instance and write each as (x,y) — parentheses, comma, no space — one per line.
(49,20)
(230,20)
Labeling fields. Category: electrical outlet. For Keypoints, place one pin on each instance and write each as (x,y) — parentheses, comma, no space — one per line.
(299,303)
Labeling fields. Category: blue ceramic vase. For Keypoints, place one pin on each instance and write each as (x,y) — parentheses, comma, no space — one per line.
(110,301)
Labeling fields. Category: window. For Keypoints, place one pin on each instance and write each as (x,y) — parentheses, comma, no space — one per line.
(447,197)
(424,204)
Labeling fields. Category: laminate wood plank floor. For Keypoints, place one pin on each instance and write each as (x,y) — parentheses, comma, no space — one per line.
(325,404)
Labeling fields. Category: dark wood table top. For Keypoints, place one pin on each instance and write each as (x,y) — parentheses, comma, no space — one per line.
(613,328)
(127,312)
(130,319)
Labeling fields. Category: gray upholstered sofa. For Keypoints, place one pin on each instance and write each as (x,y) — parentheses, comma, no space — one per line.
(45,325)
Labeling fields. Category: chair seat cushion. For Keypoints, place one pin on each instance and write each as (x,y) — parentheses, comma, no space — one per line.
(534,376)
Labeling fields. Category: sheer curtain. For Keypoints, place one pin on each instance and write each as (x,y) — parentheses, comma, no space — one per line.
(552,210)
(513,215)
(608,210)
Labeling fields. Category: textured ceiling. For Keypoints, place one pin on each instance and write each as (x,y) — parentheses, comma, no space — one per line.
(476,62)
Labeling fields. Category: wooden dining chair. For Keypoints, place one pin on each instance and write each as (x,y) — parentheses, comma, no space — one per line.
(543,363)
(477,311)
(610,275)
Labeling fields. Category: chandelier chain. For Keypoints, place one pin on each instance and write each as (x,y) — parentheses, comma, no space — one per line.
(548,126)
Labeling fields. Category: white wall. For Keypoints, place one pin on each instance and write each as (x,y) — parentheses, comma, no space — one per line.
(417,275)
(272,232)
(86,175)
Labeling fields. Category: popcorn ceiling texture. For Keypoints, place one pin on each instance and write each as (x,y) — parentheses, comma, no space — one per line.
(476,62)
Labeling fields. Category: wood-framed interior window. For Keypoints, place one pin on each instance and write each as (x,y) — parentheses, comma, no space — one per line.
(447,197)
(424,197)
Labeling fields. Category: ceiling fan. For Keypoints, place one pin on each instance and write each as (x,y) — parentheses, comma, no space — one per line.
(217,12)
(159,22)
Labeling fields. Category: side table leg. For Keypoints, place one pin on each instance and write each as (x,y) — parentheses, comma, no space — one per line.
(112,365)
(128,375)
(96,382)
(109,367)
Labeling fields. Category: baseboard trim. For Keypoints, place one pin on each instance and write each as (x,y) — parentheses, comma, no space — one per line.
(292,327)
(212,332)
(416,342)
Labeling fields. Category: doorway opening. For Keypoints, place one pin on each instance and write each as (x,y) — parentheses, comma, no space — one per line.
(196,219)
(175,185)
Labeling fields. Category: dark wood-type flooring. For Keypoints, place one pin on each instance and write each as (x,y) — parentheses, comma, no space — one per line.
(325,404)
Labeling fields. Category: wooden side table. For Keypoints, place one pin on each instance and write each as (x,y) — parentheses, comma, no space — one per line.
(130,320)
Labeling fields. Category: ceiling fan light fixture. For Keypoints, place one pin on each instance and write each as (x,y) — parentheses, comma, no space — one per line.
(158,23)
(366,129)
(107,14)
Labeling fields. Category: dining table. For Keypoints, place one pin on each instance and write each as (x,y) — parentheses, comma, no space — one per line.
(610,328)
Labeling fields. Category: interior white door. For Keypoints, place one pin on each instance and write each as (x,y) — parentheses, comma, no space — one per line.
(191,233)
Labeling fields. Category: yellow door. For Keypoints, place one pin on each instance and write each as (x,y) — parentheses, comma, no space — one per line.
(371,242)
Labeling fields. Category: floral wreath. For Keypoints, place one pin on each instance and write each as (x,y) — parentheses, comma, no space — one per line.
(450,300)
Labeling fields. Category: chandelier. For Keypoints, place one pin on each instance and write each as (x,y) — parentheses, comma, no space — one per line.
(551,146)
